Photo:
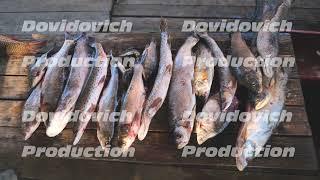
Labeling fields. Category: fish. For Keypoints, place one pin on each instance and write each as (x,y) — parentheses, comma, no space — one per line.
(107,104)
(88,100)
(210,121)
(182,99)
(248,73)
(256,130)
(203,72)
(31,105)
(37,70)
(161,83)
(132,105)
(12,46)
(228,83)
(55,77)
(150,63)
(267,41)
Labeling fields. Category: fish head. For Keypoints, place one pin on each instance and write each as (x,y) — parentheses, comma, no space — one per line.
(181,136)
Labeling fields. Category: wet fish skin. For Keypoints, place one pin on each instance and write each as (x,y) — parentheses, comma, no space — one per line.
(228,83)
(72,89)
(108,103)
(88,100)
(150,62)
(55,77)
(203,72)
(32,104)
(248,76)
(161,83)
(210,124)
(13,46)
(182,99)
(255,132)
(133,103)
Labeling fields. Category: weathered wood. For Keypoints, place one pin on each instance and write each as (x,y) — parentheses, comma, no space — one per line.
(55,6)
(12,23)
(157,149)
(13,87)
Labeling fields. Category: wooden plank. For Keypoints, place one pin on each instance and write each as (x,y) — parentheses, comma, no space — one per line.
(55,6)
(13,87)
(12,66)
(157,149)
(12,23)
(297,3)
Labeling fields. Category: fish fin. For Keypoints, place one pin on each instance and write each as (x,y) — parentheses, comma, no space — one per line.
(163,25)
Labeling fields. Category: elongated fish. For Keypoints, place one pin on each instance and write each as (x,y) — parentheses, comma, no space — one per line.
(107,104)
(79,72)
(182,99)
(31,106)
(268,41)
(132,104)
(228,84)
(55,77)
(248,73)
(211,120)
(37,70)
(161,84)
(256,131)
(203,72)
(89,98)
(13,46)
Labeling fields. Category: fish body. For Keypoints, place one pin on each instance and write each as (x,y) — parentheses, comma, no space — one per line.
(72,89)
(228,83)
(108,104)
(150,62)
(248,74)
(161,84)
(210,122)
(55,77)
(31,105)
(182,99)
(88,100)
(203,72)
(132,105)
(13,46)
(256,131)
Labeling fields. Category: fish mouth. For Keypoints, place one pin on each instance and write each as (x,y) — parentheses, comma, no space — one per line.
(181,137)
(245,153)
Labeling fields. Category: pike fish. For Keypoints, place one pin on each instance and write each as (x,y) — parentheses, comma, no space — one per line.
(76,80)
(108,104)
(228,84)
(12,46)
(203,72)
(268,41)
(54,79)
(32,104)
(161,84)
(256,131)
(212,121)
(132,104)
(248,73)
(182,99)
(88,100)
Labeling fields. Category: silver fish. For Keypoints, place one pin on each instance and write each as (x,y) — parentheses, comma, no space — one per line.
(161,84)
(108,104)
(53,81)
(203,72)
(132,104)
(32,104)
(211,120)
(88,100)
(256,131)
(182,99)
(76,80)
(228,83)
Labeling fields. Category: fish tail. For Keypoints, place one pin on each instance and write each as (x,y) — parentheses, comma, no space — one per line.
(91,41)
(163,25)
